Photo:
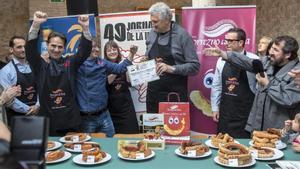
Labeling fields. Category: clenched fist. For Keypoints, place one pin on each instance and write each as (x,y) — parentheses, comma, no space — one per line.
(39,18)
(83,20)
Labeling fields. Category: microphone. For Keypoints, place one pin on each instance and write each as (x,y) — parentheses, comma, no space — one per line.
(258,67)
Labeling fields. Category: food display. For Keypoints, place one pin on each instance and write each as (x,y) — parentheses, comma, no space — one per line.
(263,152)
(81,146)
(266,138)
(50,144)
(93,155)
(198,149)
(54,155)
(77,137)
(234,154)
(133,150)
(221,139)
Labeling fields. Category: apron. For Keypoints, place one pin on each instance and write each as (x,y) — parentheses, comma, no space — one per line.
(121,107)
(60,102)
(28,94)
(157,91)
(236,102)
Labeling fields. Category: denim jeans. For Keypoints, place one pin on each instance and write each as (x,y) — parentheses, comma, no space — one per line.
(101,123)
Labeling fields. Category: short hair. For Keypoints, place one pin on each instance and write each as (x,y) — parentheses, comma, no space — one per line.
(112,44)
(96,41)
(162,9)
(269,39)
(241,34)
(57,34)
(290,45)
(11,41)
(269,47)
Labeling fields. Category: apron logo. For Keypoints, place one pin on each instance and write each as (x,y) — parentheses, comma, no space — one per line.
(118,86)
(231,84)
(56,97)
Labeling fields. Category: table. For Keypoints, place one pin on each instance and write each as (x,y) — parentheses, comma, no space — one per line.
(164,159)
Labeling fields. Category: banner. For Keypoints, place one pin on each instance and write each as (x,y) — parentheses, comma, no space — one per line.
(67,25)
(208,26)
(129,28)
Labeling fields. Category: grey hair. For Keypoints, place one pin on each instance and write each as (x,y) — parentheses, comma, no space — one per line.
(162,9)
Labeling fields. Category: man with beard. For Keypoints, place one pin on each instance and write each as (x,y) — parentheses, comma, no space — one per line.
(278,97)
(19,72)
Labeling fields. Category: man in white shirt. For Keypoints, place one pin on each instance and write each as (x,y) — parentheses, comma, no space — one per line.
(233,89)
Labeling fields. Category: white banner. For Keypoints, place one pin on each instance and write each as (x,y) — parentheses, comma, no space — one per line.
(127,29)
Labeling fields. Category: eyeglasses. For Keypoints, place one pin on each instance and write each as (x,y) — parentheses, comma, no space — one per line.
(231,40)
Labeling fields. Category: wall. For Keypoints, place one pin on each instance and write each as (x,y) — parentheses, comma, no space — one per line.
(14,21)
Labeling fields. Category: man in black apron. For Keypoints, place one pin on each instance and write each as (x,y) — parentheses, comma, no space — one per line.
(173,49)
(236,92)
(56,75)
(18,72)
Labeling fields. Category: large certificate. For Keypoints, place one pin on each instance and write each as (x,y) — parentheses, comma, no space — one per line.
(142,72)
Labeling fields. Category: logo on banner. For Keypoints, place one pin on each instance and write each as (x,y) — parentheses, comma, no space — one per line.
(219,28)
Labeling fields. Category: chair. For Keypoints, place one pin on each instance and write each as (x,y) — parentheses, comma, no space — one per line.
(141,135)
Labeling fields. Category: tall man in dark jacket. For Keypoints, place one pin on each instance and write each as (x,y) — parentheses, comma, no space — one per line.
(56,75)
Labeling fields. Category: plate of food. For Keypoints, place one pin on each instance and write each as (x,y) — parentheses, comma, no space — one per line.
(278,145)
(266,153)
(134,150)
(220,162)
(53,145)
(220,138)
(57,156)
(75,138)
(234,155)
(92,157)
(79,147)
(191,149)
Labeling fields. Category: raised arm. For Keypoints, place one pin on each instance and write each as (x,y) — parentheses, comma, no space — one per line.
(85,46)
(32,53)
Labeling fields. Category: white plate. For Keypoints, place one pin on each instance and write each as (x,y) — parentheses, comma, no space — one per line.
(216,159)
(130,159)
(177,151)
(279,146)
(56,146)
(277,155)
(78,151)
(209,144)
(65,157)
(62,139)
(78,160)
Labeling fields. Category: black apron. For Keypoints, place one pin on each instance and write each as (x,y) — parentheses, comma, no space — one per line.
(236,102)
(121,107)
(158,90)
(60,105)
(28,93)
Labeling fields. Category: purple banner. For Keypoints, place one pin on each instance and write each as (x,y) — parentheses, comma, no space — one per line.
(208,26)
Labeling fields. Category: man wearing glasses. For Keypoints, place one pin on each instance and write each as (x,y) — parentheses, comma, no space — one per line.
(233,89)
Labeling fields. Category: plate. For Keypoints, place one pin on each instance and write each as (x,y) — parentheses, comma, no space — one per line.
(56,146)
(277,155)
(65,157)
(78,151)
(281,145)
(78,160)
(62,139)
(209,144)
(216,159)
(130,159)
(177,151)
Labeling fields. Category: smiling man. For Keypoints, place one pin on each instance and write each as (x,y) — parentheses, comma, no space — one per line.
(278,97)
(56,75)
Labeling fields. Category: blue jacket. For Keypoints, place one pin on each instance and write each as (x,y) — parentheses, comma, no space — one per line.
(91,82)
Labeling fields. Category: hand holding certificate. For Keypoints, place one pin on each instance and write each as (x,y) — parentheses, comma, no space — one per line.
(142,72)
